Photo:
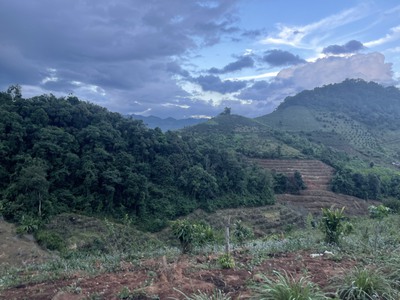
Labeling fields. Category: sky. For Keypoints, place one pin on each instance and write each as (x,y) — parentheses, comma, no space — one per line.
(193,58)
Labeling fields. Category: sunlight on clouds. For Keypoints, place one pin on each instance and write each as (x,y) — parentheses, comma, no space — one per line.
(251,77)
(197,93)
(91,88)
(175,105)
(52,76)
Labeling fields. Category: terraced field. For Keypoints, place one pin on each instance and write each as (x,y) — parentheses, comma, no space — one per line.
(317,177)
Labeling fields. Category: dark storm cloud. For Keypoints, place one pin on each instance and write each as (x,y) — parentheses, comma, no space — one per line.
(350,47)
(124,47)
(215,84)
(278,57)
(241,63)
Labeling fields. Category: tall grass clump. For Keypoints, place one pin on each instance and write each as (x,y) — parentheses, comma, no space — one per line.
(286,287)
(367,284)
(216,295)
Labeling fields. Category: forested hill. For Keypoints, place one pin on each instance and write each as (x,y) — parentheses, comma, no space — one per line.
(63,154)
(366,102)
(354,116)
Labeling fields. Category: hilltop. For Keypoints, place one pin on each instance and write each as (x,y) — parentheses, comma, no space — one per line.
(357,117)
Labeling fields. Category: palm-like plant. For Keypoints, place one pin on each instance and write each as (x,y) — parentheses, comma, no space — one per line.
(332,224)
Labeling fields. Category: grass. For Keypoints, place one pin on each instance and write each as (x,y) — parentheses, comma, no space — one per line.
(372,243)
(367,283)
(285,287)
(216,295)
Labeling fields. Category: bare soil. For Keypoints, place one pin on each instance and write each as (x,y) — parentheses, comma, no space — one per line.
(159,279)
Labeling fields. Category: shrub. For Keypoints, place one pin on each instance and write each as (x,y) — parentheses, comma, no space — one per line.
(28,225)
(226,261)
(393,204)
(286,287)
(378,212)
(242,232)
(50,240)
(332,224)
(191,234)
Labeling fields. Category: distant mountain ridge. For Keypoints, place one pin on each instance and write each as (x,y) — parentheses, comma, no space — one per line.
(167,123)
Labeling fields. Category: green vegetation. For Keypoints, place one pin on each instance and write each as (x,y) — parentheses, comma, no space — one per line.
(62,154)
(217,295)
(191,234)
(83,180)
(242,233)
(286,287)
(367,284)
(332,224)
(376,273)
(226,261)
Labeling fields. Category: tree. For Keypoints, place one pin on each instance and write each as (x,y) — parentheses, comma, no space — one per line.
(14,91)
(226,112)
(29,191)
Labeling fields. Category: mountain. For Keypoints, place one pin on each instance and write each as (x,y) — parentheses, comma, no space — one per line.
(352,126)
(168,123)
(358,117)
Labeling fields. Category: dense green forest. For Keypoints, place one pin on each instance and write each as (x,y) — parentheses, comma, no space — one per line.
(63,154)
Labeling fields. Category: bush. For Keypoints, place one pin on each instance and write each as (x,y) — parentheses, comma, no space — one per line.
(286,287)
(332,224)
(191,234)
(378,212)
(393,204)
(226,261)
(28,225)
(50,240)
(242,232)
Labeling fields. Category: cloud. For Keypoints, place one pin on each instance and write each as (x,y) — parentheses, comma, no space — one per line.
(333,69)
(350,47)
(257,92)
(278,57)
(369,67)
(295,35)
(392,36)
(215,84)
(113,48)
(241,63)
